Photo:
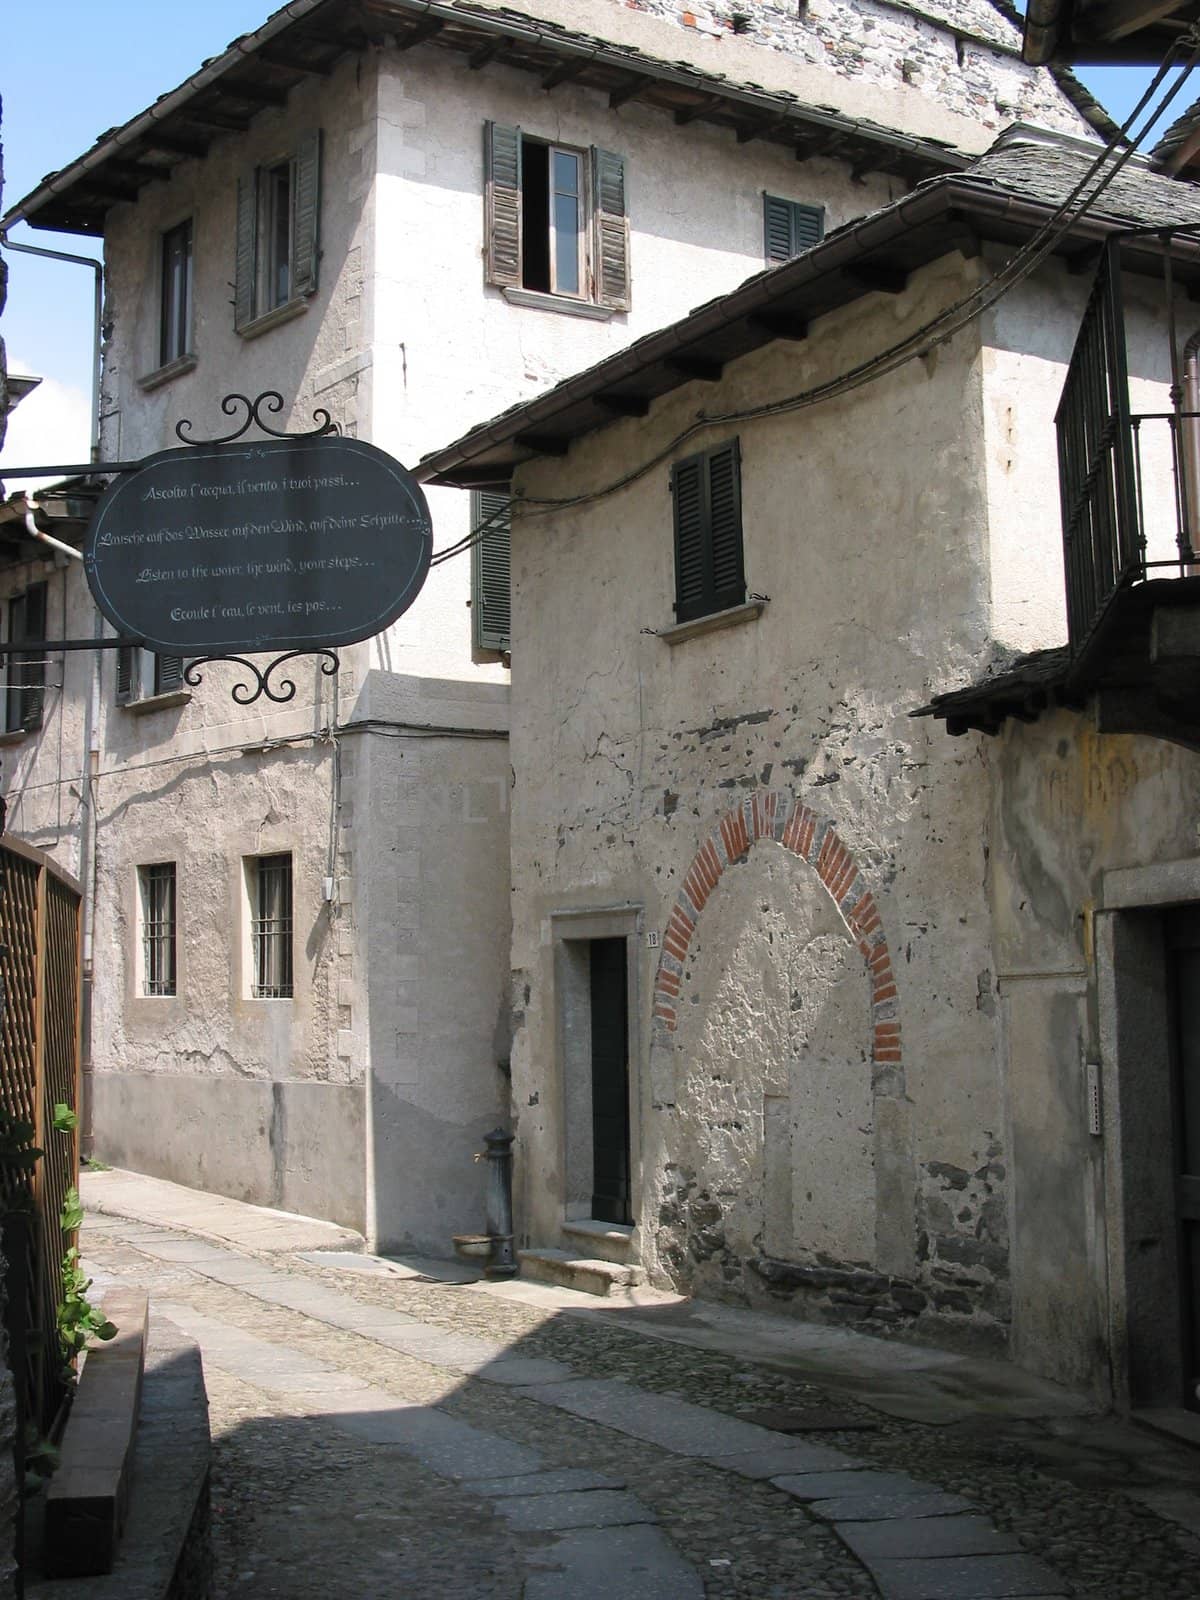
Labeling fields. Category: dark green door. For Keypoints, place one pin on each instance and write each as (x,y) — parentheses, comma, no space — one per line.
(1183,946)
(610,1081)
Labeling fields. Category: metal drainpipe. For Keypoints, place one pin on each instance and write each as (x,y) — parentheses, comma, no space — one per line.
(501,1261)
(1191,443)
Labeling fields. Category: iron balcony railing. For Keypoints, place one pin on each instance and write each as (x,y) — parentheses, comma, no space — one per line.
(1129,481)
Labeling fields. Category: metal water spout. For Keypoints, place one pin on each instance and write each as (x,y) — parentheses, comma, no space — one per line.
(1190,430)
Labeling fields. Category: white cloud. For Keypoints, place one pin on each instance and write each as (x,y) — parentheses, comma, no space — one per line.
(53,424)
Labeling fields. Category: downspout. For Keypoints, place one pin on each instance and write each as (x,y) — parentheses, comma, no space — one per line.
(1191,446)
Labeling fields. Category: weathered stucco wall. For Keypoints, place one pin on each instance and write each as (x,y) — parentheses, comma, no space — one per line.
(791,1150)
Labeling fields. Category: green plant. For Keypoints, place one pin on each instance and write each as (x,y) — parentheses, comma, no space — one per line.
(78,1319)
(64,1119)
(16,1150)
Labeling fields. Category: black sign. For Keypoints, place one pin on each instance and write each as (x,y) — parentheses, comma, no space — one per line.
(283,544)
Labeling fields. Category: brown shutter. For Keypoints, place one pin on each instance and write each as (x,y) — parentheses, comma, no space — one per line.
(247,251)
(306,209)
(502,204)
(611,230)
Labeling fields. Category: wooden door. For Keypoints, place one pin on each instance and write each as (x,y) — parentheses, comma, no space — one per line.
(1183,946)
(610,1081)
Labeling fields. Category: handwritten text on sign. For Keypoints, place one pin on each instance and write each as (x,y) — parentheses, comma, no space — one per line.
(285,544)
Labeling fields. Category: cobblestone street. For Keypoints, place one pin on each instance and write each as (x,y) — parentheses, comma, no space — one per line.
(380,1431)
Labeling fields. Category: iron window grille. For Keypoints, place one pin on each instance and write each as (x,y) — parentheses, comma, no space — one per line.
(25,683)
(271,927)
(158,928)
(176,328)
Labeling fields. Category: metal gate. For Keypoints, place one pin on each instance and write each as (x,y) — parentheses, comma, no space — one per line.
(39,1069)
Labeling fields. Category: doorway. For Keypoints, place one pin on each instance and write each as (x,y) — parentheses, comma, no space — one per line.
(609,1004)
(1182,929)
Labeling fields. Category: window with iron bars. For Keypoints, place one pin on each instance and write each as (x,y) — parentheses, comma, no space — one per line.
(271,926)
(157,884)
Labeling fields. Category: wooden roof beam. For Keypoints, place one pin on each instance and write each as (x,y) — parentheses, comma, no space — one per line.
(486,52)
(543,444)
(629,90)
(260,94)
(706,107)
(1114,19)
(702,368)
(625,405)
(779,324)
(424,31)
(178,144)
(219,121)
(276,55)
(878,276)
(563,73)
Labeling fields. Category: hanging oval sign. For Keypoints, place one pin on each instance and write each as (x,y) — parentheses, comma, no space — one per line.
(283,544)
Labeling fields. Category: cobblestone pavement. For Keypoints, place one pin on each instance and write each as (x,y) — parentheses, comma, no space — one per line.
(380,1435)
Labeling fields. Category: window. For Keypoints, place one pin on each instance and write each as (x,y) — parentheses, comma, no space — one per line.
(141,674)
(790,228)
(176,328)
(156,887)
(270,883)
(490,604)
(556,220)
(709,574)
(25,678)
(277,215)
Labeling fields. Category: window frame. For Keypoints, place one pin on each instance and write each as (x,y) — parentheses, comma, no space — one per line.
(159,976)
(278,236)
(272,932)
(25,674)
(693,481)
(147,675)
(175,294)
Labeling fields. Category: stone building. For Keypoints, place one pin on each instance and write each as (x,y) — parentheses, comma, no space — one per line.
(805,991)
(297,924)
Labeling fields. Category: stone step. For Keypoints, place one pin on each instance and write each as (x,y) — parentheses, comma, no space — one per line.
(579,1272)
(603,1241)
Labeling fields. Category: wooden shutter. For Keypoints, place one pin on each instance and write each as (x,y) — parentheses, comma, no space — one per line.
(306,207)
(611,230)
(126,668)
(725,526)
(244,294)
(502,204)
(691,543)
(168,674)
(790,228)
(33,668)
(491,603)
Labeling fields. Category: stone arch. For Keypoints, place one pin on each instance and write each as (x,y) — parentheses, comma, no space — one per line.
(784,819)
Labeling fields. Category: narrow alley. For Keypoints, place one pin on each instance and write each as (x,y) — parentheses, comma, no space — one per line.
(385,1429)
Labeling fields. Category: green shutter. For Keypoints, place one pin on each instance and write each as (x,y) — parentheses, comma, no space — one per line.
(611,230)
(244,298)
(691,542)
(790,227)
(306,206)
(502,204)
(491,604)
(168,674)
(725,526)
(126,663)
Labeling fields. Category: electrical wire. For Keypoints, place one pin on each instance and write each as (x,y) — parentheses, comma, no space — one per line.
(938,330)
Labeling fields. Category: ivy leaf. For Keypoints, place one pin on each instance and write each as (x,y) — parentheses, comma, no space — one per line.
(106,1330)
(65,1120)
(72,1211)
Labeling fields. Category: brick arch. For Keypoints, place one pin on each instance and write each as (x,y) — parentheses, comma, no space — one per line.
(780,817)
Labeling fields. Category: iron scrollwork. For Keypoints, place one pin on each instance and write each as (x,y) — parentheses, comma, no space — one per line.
(270,401)
(245,694)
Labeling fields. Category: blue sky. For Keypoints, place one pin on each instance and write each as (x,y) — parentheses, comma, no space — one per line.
(73,69)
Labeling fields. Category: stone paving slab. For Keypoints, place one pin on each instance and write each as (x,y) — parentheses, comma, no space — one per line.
(853,1483)
(783,1458)
(584,1564)
(555,1480)
(676,1425)
(966,1578)
(595,1508)
(452,1449)
(881,1507)
(925,1536)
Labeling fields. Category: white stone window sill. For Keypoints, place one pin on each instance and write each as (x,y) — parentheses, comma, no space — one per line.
(164,374)
(157,702)
(557,302)
(732,618)
(273,318)
(15,735)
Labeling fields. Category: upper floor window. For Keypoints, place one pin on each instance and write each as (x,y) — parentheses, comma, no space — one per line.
(175,334)
(277,233)
(156,892)
(556,219)
(709,570)
(25,675)
(491,627)
(141,674)
(790,227)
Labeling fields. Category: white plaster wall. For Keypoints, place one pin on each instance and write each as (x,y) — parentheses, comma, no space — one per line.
(626,752)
